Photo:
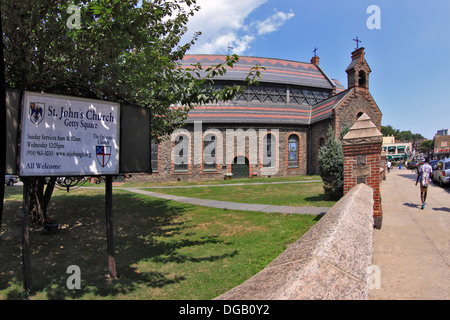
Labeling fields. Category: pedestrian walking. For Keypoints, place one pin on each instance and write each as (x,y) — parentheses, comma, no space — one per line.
(389,165)
(424,177)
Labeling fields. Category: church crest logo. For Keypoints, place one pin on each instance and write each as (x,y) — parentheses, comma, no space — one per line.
(103,154)
(36,112)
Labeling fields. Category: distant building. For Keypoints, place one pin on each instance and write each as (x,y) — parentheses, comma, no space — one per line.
(396,150)
(441,144)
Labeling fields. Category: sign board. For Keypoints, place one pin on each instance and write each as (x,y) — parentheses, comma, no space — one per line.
(63,136)
(442,150)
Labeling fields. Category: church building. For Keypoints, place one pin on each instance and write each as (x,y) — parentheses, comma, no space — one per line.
(271,129)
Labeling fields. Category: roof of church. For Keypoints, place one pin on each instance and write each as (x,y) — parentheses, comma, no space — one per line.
(251,113)
(324,109)
(277,71)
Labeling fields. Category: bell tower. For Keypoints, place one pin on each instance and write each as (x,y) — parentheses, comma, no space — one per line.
(358,71)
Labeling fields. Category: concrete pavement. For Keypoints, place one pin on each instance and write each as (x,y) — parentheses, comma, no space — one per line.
(234,205)
(412,248)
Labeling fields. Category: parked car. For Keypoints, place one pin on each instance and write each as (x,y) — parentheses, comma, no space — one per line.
(10,180)
(441,172)
(412,165)
(433,163)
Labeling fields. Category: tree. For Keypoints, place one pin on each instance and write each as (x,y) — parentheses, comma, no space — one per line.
(331,166)
(121,51)
(389,131)
(426,147)
(401,135)
(405,136)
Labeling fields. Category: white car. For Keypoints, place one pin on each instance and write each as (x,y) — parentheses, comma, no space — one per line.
(441,172)
(10,180)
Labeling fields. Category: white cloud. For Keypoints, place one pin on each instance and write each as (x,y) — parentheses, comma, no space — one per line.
(223,23)
(273,23)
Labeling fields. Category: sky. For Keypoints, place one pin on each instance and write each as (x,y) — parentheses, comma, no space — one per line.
(407,46)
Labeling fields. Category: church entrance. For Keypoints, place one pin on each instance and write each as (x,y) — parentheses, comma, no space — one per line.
(240,168)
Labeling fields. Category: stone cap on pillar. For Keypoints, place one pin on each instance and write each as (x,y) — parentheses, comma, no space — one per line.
(363,131)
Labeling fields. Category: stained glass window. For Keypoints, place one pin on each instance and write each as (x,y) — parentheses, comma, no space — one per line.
(181,154)
(154,154)
(210,153)
(293,151)
(269,151)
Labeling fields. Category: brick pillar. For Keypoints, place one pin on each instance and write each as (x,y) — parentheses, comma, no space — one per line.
(362,160)
(383,165)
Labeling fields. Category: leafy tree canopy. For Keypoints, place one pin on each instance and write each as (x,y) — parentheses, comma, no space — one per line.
(426,146)
(116,50)
(401,135)
(122,51)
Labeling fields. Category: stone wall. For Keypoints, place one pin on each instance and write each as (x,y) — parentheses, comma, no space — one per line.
(357,103)
(329,262)
(196,172)
(317,138)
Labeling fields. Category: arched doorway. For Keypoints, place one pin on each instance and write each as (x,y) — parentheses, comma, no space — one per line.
(240,168)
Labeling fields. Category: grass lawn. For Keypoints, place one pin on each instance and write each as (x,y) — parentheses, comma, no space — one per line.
(164,249)
(221,182)
(291,194)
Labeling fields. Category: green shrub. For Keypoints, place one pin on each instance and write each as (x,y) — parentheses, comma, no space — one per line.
(331,166)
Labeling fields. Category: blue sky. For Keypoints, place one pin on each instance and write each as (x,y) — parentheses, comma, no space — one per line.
(409,56)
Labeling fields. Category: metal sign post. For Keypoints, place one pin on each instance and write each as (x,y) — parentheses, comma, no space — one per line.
(109,228)
(26,252)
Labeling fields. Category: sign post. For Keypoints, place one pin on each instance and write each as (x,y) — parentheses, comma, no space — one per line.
(68,136)
(63,136)
(26,252)
(109,229)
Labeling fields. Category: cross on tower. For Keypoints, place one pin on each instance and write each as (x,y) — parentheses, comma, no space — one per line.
(229,48)
(357,42)
(315,52)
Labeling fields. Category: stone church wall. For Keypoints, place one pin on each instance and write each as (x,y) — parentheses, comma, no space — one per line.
(318,137)
(253,136)
(356,104)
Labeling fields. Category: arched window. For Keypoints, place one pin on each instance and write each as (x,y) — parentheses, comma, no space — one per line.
(359,115)
(181,154)
(269,151)
(293,150)
(362,79)
(210,153)
(321,142)
(155,156)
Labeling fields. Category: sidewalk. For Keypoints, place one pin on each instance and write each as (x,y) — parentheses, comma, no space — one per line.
(412,248)
(234,205)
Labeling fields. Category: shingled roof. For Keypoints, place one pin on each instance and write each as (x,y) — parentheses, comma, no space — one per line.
(279,74)
(324,109)
(276,70)
(251,113)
